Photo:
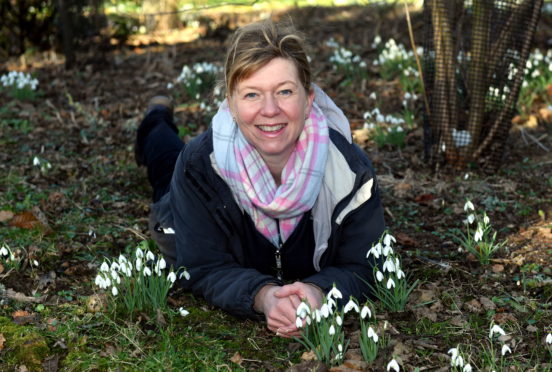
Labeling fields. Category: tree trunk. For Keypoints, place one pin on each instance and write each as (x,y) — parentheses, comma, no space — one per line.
(66,34)
(161,14)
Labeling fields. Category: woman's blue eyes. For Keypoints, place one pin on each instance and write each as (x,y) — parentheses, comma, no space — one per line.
(283,92)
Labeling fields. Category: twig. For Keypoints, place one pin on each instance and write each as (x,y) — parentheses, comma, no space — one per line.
(418,63)
(137,233)
(532,138)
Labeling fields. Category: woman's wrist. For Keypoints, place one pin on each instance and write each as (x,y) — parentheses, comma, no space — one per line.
(259,300)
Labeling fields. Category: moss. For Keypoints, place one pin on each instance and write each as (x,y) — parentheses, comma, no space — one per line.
(23,346)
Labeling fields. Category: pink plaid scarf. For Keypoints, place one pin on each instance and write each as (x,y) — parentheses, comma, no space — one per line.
(252,184)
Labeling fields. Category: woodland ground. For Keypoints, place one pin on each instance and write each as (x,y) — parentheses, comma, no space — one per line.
(94,201)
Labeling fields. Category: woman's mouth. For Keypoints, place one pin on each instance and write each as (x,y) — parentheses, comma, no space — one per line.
(271,127)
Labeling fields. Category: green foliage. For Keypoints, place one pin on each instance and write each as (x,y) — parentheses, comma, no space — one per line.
(538,76)
(481,241)
(323,329)
(139,283)
(390,286)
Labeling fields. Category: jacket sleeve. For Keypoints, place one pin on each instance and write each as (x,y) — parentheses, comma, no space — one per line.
(203,245)
(346,264)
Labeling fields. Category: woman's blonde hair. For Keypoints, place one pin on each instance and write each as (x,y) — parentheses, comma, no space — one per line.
(255,45)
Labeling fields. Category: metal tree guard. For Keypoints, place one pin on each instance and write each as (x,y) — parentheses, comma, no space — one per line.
(474,60)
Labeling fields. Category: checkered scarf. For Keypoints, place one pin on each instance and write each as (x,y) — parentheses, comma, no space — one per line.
(252,184)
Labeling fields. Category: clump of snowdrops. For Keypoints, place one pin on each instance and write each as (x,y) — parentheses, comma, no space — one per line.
(20,85)
(138,283)
(385,129)
(322,329)
(538,77)
(390,286)
(479,238)
(394,60)
(195,81)
(7,258)
(348,64)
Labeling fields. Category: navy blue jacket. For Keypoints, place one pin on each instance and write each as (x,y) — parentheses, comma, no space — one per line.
(229,260)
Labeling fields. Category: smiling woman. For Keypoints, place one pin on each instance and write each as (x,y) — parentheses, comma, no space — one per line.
(273,204)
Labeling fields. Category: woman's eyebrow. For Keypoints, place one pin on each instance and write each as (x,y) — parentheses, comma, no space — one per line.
(278,85)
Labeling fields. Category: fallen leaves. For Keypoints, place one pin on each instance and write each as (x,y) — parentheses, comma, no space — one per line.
(6,216)
(2,340)
(34,218)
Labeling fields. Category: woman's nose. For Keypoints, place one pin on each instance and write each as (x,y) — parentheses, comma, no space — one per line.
(270,106)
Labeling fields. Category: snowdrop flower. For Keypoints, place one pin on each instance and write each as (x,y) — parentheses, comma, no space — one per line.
(35,262)
(139,253)
(379,276)
(365,312)
(390,284)
(138,264)
(104,267)
(122,259)
(470,219)
(99,280)
(4,251)
(325,310)
(298,322)
(549,339)
(372,334)
(351,305)
(147,271)
(506,349)
(467,368)
(372,96)
(318,315)
(453,352)
(393,365)
(496,329)
(376,251)
(478,234)
(335,293)
(36,162)
(183,312)
(171,277)
(338,320)
(308,319)
(388,265)
(486,219)
(302,310)
(114,291)
(469,206)
(150,256)
(458,362)
(184,274)
(400,274)
(387,250)
(331,331)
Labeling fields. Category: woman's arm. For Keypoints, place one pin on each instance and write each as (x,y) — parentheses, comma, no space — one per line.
(203,244)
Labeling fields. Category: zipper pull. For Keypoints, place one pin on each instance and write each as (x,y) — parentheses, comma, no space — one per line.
(278,262)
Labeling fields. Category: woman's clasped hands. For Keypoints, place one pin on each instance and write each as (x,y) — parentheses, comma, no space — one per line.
(279,305)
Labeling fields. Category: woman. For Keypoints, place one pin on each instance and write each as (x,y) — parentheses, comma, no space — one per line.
(274,203)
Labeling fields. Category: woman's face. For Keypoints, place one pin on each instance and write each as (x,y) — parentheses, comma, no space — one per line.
(270,108)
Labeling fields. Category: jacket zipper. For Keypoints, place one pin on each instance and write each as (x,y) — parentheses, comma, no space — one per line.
(277,254)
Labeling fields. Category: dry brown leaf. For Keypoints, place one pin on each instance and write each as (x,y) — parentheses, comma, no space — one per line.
(20,297)
(502,318)
(406,240)
(487,303)
(2,340)
(355,365)
(23,317)
(402,189)
(6,216)
(25,220)
(473,306)
(546,114)
(308,355)
(1,268)
(237,358)
(361,136)
(497,268)
(95,303)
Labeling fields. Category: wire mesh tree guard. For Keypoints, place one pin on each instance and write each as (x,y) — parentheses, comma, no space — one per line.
(475,52)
